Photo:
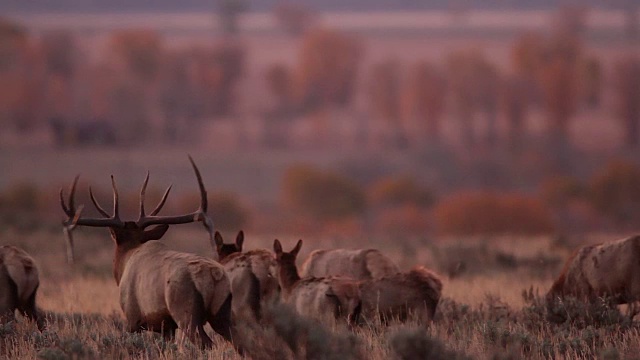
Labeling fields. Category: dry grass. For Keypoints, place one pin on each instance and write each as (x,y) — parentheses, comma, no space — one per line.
(483,313)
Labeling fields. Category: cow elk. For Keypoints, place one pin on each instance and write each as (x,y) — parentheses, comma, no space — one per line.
(18,285)
(324,298)
(609,270)
(252,273)
(360,264)
(396,296)
(160,290)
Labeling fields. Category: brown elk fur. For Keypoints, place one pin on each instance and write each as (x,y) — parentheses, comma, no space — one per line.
(253,275)
(325,298)
(358,264)
(416,291)
(18,285)
(609,269)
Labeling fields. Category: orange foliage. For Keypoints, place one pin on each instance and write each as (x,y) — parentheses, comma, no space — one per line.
(559,191)
(627,97)
(328,68)
(384,90)
(425,96)
(470,213)
(615,191)
(400,191)
(140,51)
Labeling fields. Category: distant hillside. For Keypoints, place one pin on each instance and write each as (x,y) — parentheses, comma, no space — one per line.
(266,5)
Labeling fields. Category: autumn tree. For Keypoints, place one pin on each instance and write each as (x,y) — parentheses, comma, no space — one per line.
(384,97)
(140,51)
(527,54)
(515,104)
(21,88)
(474,86)
(13,43)
(627,98)
(615,192)
(219,71)
(60,52)
(178,99)
(327,69)
(396,191)
(228,12)
(571,19)
(591,81)
(559,79)
(280,84)
(425,97)
(294,18)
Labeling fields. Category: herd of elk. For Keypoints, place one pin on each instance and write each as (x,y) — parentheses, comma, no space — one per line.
(161,290)
(19,283)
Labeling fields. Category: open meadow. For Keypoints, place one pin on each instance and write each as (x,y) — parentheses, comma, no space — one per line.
(489,308)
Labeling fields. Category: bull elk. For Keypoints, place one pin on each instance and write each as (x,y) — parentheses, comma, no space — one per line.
(325,297)
(252,274)
(416,291)
(360,264)
(160,290)
(18,285)
(610,269)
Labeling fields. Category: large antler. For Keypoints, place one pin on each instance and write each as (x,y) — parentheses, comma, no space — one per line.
(199,215)
(74,219)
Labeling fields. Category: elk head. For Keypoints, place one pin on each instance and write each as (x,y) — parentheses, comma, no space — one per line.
(225,250)
(287,270)
(128,235)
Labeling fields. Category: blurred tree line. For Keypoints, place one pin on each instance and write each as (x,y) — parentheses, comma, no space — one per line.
(144,89)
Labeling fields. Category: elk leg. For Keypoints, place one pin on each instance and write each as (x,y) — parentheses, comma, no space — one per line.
(30,311)
(221,321)
(8,297)
(187,310)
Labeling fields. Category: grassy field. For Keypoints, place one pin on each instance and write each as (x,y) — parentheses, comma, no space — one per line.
(489,307)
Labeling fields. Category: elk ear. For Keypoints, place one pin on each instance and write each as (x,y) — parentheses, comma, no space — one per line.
(240,240)
(218,238)
(277,247)
(156,232)
(296,249)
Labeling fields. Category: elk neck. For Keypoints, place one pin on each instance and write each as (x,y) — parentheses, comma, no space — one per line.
(121,258)
(288,275)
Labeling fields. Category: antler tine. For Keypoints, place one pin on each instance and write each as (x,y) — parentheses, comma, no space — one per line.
(95,203)
(71,209)
(68,233)
(74,216)
(207,222)
(162,201)
(203,192)
(199,215)
(116,213)
(142,193)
